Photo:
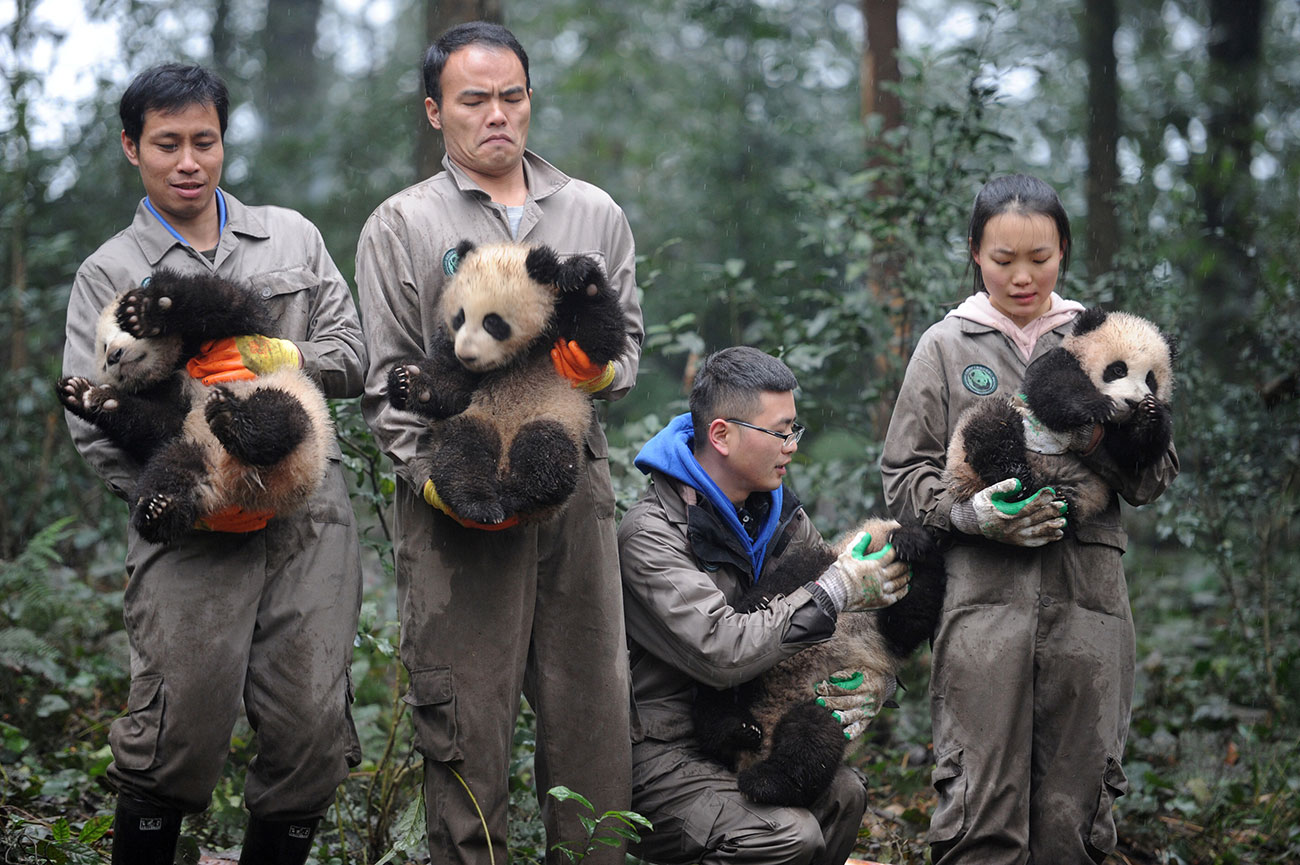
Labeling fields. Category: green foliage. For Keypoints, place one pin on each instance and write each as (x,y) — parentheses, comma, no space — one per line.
(610,829)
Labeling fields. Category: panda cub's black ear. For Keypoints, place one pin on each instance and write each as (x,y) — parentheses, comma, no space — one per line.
(543,265)
(464,248)
(1089,320)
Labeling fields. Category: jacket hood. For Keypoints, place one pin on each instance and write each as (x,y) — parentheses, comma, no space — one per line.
(670,452)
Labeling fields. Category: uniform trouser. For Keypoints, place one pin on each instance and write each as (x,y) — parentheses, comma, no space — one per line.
(486,615)
(700,816)
(270,616)
(1030,694)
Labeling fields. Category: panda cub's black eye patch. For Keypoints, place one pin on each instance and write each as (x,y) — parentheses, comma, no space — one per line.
(458,320)
(1151,382)
(496,325)
(1116,370)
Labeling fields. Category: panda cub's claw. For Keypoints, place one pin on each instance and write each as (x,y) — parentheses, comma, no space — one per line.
(142,312)
(408,387)
(159,518)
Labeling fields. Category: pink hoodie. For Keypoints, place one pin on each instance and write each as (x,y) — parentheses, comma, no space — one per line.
(979,309)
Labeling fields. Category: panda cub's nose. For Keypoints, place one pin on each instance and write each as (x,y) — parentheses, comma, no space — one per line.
(115,356)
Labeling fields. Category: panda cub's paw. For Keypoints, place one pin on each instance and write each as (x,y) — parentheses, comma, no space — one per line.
(161,518)
(144,311)
(85,399)
(408,387)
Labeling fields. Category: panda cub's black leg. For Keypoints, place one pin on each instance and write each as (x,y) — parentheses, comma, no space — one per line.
(465,452)
(262,428)
(807,749)
(166,505)
(994,439)
(544,466)
(724,725)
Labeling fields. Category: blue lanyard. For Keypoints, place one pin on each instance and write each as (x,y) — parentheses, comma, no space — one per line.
(221,218)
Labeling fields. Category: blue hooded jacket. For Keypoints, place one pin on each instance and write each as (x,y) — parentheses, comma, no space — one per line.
(670,452)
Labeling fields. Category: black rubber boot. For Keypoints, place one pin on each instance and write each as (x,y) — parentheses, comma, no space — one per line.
(277,842)
(144,834)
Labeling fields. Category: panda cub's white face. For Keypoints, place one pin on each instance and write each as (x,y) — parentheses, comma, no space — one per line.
(494,309)
(130,363)
(1126,358)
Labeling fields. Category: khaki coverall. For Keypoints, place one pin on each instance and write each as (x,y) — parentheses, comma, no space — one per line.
(486,614)
(270,615)
(684,635)
(1033,659)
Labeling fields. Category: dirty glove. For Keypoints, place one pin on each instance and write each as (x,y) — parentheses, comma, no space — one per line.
(1038,520)
(234,520)
(237,358)
(859,580)
(572,362)
(431,497)
(853,700)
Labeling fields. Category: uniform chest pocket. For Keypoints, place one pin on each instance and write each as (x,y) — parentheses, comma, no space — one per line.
(288,293)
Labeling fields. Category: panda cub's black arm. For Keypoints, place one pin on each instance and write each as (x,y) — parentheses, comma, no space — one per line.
(1061,395)
(588,311)
(436,386)
(196,306)
(1144,439)
(138,423)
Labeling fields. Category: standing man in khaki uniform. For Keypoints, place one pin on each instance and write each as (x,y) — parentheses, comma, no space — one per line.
(488,614)
(253,606)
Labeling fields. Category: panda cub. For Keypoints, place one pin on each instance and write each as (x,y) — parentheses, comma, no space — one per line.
(505,430)
(258,444)
(1114,369)
(785,746)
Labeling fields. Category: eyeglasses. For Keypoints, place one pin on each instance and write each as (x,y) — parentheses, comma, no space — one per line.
(792,437)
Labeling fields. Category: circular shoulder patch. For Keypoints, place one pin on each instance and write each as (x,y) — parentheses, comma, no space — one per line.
(979,379)
(449,261)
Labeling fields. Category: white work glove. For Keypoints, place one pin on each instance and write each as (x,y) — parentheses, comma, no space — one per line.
(1038,520)
(859,580)
(853,700)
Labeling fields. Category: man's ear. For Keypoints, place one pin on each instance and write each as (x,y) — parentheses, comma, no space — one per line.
(432,111)
(131,149)
(720,436)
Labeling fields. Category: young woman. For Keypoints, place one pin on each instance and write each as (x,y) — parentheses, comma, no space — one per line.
(1033,658)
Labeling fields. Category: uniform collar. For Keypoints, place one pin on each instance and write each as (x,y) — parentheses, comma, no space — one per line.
(543,178)
(156,239)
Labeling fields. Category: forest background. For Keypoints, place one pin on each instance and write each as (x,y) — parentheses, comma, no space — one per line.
(798,174)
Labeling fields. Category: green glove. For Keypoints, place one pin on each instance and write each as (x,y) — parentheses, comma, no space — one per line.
(859,580)
(1032,522)
(854,700)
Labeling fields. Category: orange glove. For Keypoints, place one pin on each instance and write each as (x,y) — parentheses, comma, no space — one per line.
(572,362)
(431,496)
(234,519)
(237,358)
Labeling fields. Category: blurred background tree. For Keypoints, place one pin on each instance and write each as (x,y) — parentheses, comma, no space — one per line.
(798,174)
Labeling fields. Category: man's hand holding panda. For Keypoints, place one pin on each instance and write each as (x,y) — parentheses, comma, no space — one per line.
(1031,522)
(859,580)
(854,699)
(572,363)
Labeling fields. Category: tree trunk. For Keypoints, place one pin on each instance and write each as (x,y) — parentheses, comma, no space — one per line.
(1229,290)
(439,16)
(1097,24)
(880,75)
(880,61)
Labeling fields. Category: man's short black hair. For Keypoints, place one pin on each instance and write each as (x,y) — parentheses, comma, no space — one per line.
(168,88)
(731,382)
(470,33)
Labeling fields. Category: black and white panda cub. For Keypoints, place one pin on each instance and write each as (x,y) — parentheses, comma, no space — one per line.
(258,444)
(785,747)
(505,431)
(1114,369)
